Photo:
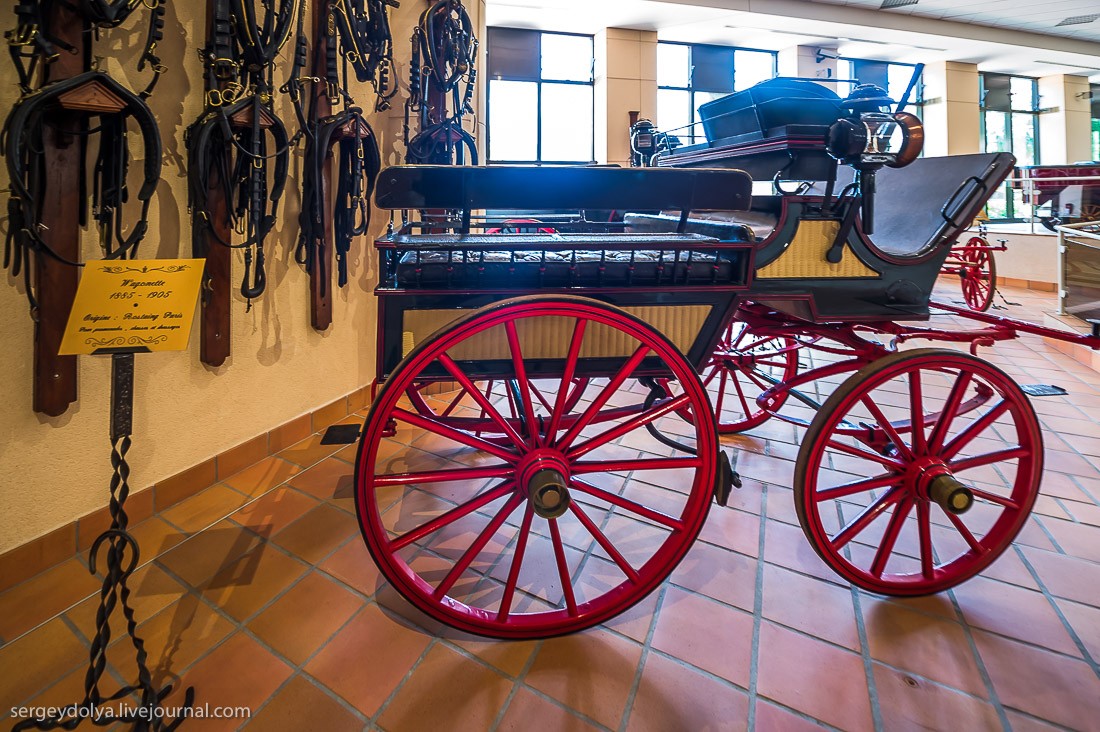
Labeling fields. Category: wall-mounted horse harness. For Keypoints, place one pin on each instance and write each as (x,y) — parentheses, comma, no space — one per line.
(349,36)
(32,40)
(97,95)
(444,56)
(238,138)
(66,138)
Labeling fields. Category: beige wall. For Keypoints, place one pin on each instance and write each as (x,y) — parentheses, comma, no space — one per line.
(951,114)
(802,61)
(53,471)
(1065,130)
(625,81)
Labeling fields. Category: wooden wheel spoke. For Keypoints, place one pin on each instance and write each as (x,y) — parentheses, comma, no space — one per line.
(864,519)
(916,412)
(451,516)
(862,486)
(973,430)
(603,541)
(563,568)
(627,505)
(950,410)
(474,549)
(924,530)
(966,534)
(629,426)
(601,399)
(443,476)
(458,436)
(626,466)
(994,498)
(887,427)
(487,407)
(865,455)
(521,377)
(890,537)
(517,562)
(999,456)
(741,395)
(566,388)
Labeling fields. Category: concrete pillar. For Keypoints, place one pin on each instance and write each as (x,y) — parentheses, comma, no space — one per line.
(625,82)
(952,117)
(802,61)
(1065,130)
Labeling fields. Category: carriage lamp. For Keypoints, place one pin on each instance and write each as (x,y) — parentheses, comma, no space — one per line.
(870,140)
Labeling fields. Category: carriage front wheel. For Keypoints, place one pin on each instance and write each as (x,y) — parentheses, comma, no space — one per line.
(918,471)
(567,512)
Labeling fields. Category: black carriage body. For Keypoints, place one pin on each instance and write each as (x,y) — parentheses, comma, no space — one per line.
(684,285)
(921,211)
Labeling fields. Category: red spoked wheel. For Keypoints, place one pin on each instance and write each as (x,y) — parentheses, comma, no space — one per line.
(572,518)
(954,455)
(454,405)
(977,274)
(742,367)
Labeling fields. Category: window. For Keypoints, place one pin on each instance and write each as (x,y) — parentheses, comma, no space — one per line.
(1010,123)
(892,77)
(689,76)
(540,97)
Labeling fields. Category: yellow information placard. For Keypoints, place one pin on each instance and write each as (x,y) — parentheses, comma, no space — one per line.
(133,305)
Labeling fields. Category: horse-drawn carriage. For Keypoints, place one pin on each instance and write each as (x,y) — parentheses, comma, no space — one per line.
(544,444)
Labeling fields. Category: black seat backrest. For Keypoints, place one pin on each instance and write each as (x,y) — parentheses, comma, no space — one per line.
(933,200)
(526,188)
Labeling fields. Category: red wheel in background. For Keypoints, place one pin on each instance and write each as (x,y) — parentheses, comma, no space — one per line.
(977,274)
(743,366)
(568,516)
(952,430)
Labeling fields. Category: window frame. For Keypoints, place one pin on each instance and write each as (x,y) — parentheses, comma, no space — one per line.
(539,82)
(1010,136)
(915,105)
(692,136)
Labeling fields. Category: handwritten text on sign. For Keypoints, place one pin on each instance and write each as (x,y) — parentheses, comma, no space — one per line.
(145,304)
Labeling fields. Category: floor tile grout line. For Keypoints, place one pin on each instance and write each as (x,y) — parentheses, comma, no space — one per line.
(968,633)
(1085,655)
(647,647)
(868,663)
(757,608)
(433,641)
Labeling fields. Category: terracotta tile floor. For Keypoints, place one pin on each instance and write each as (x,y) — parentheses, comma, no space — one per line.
(260,592)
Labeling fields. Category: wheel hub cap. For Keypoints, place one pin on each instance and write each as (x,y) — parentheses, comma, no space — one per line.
(544,477)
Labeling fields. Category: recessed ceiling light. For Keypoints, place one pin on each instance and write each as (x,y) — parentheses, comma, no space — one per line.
(1075,20)
(890,4)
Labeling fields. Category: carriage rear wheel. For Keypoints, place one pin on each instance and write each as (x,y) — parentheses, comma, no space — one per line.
(574,517)
(977,274)
(918,471)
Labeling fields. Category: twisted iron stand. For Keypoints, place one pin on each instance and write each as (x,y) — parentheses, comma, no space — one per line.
(122,560)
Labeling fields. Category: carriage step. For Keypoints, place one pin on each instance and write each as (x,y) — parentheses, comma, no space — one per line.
(1041,390)
(341,434)
(726,480)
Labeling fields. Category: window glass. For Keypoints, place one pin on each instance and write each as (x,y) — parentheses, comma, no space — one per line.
(674,111)
(513,111)
(899,77)
(513,54)
(1023,138)
(752,67)
(566,137)
(566,58)
(673,65)
(1023,93)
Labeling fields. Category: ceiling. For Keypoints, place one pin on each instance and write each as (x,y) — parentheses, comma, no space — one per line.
(1010,36)
(1066,18)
